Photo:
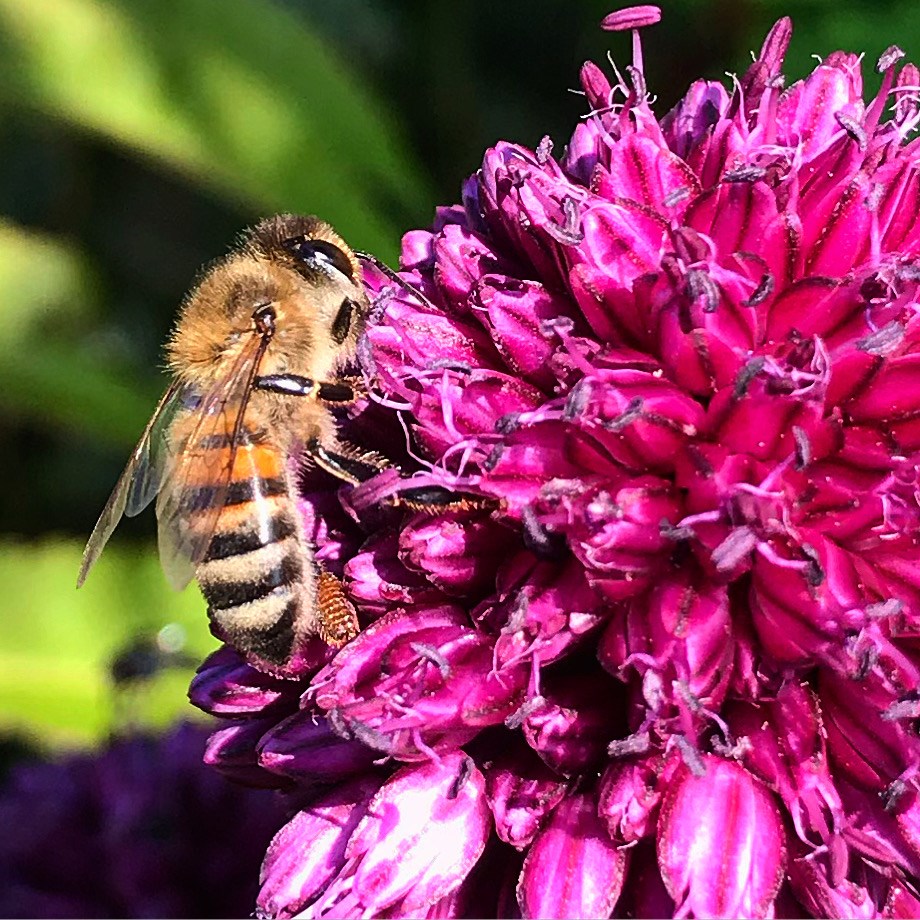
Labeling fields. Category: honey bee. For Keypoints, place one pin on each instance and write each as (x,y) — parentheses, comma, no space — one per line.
(253,359)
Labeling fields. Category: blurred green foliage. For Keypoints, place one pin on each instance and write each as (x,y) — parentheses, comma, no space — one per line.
(58,643)
(138,137)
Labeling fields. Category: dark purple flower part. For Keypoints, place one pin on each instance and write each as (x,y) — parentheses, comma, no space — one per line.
(662,656)
(139,829)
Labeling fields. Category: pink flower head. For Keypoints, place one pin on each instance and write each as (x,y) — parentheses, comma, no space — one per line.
(667,636)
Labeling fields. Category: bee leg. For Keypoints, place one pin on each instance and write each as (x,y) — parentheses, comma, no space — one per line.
(287,384)
(347,462)
(354,466)
(435,499)
(338,622)
(336,392)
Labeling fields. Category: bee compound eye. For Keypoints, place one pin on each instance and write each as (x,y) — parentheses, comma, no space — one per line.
(320,255)
(342,322)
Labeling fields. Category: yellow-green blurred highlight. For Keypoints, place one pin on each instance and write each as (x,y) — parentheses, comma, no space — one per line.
(59,643)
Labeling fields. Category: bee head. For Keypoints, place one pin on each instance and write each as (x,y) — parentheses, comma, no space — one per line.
(310,249)
(291,280)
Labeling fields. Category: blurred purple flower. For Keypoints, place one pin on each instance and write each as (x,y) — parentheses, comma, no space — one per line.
(673,668)
(139,829)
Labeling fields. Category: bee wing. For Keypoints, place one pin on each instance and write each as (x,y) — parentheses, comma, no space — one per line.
(140,480)
(191,497)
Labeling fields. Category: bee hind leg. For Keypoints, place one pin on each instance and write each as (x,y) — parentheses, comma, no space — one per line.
(338,622)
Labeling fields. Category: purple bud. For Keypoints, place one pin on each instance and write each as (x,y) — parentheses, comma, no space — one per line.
(688,125)
(377,579)
(616,534)
(434,691)
(232,750)
(545,609)
(596,85)
(789,620)
(785,748)
(225,685)
(515,311)
(457,552)
(630,795)
(422,833)
(416,249)
(305,748)
(463,257)
(691,627)
(873,752)
(872,830)
(573,723)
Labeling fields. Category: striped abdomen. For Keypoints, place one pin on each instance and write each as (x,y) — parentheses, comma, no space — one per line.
(257,575)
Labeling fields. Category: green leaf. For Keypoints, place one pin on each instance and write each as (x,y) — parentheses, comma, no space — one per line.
(57,642)
(238,95)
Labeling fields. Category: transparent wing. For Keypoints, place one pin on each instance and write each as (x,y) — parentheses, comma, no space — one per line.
(174,461)
(202,447)
(140,480)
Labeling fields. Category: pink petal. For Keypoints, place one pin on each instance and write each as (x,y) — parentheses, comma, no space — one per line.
(721,844)
(423,832)
(631,17)
(309,850)
(573,868)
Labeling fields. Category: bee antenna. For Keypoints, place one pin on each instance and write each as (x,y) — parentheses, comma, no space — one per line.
(394,276)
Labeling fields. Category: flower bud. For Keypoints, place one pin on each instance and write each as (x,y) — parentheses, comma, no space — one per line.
(225,685)
(422,833)
(571,725)
(232,750)
(630,795)
(378,579)
(434,693)
(457,552)
(305,748)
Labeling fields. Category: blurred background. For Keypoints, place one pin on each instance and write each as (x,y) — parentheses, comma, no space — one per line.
(137,138)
